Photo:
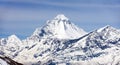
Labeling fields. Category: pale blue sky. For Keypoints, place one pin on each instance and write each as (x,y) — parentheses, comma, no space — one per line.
(23,16)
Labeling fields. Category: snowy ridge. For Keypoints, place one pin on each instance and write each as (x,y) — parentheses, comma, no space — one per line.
(60,42)
(97,45)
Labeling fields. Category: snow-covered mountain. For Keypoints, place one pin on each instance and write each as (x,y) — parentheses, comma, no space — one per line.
(60,27)
(98,47)
(59,41)
(49,39)
(10,46)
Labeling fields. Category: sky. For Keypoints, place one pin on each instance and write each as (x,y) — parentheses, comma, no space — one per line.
(22,17)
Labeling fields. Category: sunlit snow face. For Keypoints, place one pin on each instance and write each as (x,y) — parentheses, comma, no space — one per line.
(60,27)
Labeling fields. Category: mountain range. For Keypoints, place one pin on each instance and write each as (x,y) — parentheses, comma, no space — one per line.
(60,42)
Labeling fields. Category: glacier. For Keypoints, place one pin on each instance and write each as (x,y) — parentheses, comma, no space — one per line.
(60,42)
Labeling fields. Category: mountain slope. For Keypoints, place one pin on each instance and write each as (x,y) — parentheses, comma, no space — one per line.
(97,45)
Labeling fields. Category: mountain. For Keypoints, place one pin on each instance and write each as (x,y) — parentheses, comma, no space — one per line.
(98,47)
(60,27)
(49,39)
(60,42)
(10,46)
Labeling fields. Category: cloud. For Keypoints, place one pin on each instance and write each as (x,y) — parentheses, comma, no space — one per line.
(86,3)
(63,3)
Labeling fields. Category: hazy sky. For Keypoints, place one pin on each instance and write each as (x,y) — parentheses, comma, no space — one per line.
(21,17)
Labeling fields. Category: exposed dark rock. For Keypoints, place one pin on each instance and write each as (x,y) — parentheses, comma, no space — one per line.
(10,61)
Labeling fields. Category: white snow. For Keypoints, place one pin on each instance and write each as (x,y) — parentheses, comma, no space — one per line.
(61,17)
(2,62)
(60,27)
(107,26)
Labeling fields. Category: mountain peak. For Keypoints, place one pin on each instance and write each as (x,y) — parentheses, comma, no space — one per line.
(108,32)
(107,27)
(61,17)
(13,38)
(59,27)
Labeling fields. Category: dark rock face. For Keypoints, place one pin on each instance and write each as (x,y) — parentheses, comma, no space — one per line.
(10,61)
